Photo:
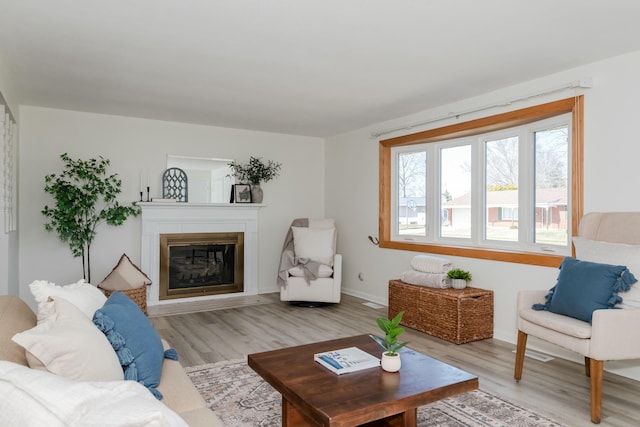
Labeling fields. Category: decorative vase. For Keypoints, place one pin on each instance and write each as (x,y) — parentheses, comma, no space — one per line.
(390,362)
(458,283)
(256,194)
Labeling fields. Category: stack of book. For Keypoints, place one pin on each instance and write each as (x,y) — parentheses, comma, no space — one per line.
(345,360)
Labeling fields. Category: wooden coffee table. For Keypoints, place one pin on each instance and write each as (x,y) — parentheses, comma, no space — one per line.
(314,396)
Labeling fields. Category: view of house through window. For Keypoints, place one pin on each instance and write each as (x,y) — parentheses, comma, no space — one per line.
(505,188)
(412,191)
(552,185)
(501,191)
(455,187)
(481,177)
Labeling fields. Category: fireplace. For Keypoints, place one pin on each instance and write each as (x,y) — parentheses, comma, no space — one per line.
(195,219)
(193,264)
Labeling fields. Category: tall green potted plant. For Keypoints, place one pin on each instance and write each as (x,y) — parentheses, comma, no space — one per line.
(254,173)
(85,197)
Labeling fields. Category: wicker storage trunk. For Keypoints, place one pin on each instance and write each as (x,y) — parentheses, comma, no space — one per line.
(456,315)
(138,295)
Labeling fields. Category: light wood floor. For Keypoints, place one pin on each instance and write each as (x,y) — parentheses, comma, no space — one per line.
(558,388)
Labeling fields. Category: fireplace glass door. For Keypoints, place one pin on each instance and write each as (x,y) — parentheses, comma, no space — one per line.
(193,264)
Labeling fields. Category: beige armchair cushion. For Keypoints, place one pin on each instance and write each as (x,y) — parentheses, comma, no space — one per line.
(558,322)
(323,271)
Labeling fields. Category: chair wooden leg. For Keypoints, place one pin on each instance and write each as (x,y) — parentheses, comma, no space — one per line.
(587,366)
(520,348)
(596,368)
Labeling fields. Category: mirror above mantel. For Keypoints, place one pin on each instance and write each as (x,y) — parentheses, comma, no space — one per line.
(209,178)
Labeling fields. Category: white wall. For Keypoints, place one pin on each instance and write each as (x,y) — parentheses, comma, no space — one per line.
(136,145)
(610,167)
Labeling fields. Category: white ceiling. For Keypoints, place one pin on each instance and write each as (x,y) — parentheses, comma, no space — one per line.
(307,67)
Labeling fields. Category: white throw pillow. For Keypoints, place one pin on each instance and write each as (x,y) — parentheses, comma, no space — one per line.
(322,223)
(315,244)
(615,254)
(37,398)
(83,295)
(67,343)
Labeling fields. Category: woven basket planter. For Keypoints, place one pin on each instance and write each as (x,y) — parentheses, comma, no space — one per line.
(138,295)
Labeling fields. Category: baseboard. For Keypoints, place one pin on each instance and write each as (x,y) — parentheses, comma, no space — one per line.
(365,296)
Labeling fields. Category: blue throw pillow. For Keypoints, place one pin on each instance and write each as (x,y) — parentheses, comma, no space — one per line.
(584,286)
(134,339)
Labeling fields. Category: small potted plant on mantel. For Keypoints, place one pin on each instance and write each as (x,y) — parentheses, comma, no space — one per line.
(255,172)
(390,358)
(459,278)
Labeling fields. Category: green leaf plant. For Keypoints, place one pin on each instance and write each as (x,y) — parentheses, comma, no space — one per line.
(85,197)
(391,331)
(256,171)
(458,273)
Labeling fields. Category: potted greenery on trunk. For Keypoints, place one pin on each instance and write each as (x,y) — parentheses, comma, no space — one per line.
(459,278)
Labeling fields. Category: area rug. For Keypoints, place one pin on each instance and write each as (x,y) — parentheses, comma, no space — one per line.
(242,399)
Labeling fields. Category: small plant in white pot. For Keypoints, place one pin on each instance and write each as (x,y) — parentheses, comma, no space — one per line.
(459,278)
(390,358)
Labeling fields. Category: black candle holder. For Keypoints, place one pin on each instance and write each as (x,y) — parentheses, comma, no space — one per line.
(141,197)
(148,200)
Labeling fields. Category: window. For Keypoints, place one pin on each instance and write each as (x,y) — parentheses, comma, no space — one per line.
(411,192)
(506,213)
(455,180)
(506,187)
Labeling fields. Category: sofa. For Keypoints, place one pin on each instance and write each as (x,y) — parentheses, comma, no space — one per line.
(179,394)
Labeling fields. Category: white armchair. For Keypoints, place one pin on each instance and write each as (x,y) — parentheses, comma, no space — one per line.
(610,238)
(310,269)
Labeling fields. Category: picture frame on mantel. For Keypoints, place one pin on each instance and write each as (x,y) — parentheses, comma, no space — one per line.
(242,193)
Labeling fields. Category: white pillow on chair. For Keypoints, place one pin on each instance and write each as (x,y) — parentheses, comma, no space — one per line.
(615,254)
(322,223)
(314,243)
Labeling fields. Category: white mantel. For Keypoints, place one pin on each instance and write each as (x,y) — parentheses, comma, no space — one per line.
(160,218)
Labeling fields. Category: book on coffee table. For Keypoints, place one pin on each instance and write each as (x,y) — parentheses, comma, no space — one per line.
(345,360)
